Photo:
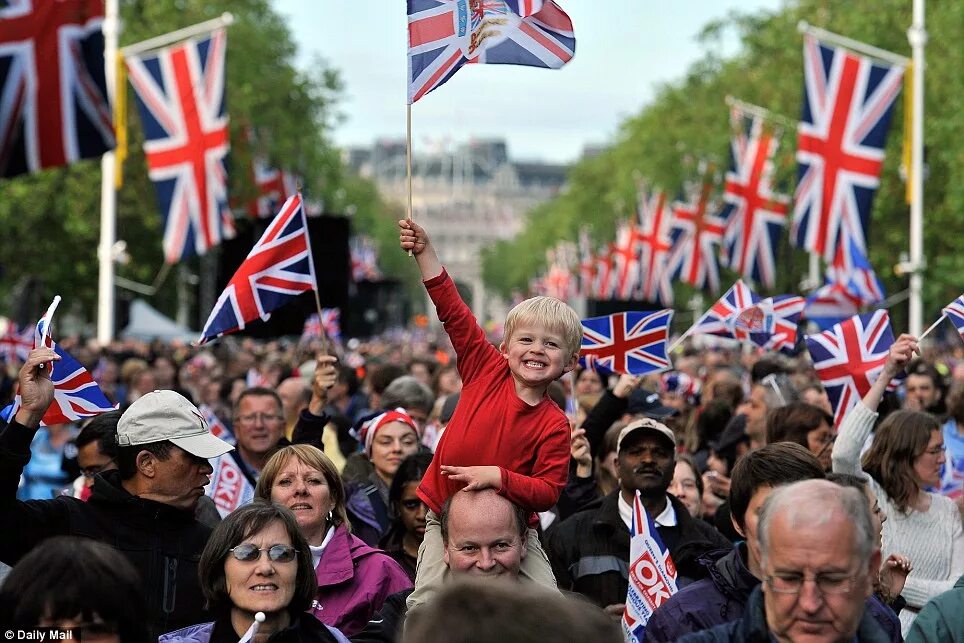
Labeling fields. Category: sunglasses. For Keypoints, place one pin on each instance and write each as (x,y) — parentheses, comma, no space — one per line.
(248,553)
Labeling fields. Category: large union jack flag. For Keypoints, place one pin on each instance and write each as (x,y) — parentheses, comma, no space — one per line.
(721,318)
(849,357)
(180,94)
(955,312)
(696,239)
(847,104)
(627,343)
(277,269)
(754,213)
(654,248)
(443,35)
(53,95)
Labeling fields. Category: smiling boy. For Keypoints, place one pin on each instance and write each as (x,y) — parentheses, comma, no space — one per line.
(506,434)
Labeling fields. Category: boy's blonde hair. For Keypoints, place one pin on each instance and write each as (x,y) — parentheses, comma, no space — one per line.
(550,313)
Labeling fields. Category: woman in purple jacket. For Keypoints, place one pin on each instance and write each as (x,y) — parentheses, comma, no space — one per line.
(353,579)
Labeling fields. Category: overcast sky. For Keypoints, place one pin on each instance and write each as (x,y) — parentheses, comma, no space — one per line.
(624,50)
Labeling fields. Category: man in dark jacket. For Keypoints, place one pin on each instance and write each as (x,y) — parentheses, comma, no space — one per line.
(734,574)
(144,508)
(589,551)
(819,558)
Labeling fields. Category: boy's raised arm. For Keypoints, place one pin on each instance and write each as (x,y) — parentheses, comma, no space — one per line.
(412,236)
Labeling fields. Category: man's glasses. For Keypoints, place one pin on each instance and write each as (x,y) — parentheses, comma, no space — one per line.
(248,553)
(267,418)
(826,583)
(90,472)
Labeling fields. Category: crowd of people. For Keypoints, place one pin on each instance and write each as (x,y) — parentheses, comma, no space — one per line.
(451,486)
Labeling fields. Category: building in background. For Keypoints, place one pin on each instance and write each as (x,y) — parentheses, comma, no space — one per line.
(467,195)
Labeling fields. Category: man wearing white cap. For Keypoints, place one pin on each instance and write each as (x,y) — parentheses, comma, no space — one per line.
(144,508)
(589,551)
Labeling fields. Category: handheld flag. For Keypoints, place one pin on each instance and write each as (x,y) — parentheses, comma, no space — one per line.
(955,312)
(443,35)
(631,343)
(720,318)
(652,574)
(277,269)
(849,357)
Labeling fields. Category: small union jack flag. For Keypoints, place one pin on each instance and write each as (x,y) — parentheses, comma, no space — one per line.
(443,35)
(654,248)
(329,322)
(721,317)
(53,92)
(364,259)
(847,104)
(180,93)
(277,269)
(849,357)
(696,239)
(754,213)
(631,343)
(16,344)
(786,311)
(955,312)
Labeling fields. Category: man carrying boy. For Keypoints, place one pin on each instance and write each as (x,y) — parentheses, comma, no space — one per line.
(506,434)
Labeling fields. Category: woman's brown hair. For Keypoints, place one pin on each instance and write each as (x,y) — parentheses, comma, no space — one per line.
(900,439)
(317,460)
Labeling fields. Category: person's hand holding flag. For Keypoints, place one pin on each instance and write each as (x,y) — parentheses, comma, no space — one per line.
(36,387)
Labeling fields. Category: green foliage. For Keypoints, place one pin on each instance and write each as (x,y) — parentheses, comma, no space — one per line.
(688,121)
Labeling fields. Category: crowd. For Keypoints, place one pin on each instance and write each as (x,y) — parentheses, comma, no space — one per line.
(284,479)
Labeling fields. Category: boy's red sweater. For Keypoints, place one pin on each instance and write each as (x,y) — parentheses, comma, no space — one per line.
(491,424)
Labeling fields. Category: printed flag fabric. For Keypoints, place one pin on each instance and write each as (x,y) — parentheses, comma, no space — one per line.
(955,312)
(652,574)
(16,344)
(697,236)
(849,357)
(721,317)
(847,105)
(754,213)
(277,269)
(444,35)
(229,487)
(218,428)
(53,92)
(631,343)
(180,96)
(654,249)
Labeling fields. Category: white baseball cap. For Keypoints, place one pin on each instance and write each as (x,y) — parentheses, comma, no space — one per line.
(167,415)
(648,424)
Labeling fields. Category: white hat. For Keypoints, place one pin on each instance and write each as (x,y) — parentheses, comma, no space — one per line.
(166,415)
(648,424)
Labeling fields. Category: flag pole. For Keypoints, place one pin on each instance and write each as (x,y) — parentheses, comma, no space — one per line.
(860,47)
(224,20)
(761,112)
(408,163)
(917,36)
(108,190)
(932,327)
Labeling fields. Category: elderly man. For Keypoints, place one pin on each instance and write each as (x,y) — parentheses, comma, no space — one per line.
(589,551)
(144,508)
(818,561)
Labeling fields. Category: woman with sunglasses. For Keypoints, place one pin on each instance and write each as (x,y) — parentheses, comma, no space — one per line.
(353,580)
(904,461)
(257,561)
(407,529)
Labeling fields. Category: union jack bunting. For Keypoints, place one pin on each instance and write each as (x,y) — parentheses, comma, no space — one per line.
(180,96)
(16,344)
(587,265)
(654,247)
(626,261)
(443,35)
(847,104)
(631,343)
(273,186)
(849,357)
(53,95)
(604,283)
(955,312)
(696,239)
(720,318)
(754,213)
(277,269)
(558,282)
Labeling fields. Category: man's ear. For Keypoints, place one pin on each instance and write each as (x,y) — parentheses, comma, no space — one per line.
(445,553)
(872,566)
(737,527)
(525,546)
(146,463)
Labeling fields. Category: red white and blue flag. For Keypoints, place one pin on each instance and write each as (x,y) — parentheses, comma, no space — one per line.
(847,105)
(364,259)
(604,284)
(587,265)
(697,236)
(277,269)
(754,212)
(631,343)
(955,312)
(273,186)
(16,344)
(53,92)
(851,284)
(849,357)
(218,428)
(443,35)
(626,261)
(721,318)
(654,248)
(329,322)
(652,574)
(180,95)
(786,311)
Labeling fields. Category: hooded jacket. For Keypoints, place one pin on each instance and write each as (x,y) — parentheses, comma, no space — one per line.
(162,542)
(305,629)
(353,582)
